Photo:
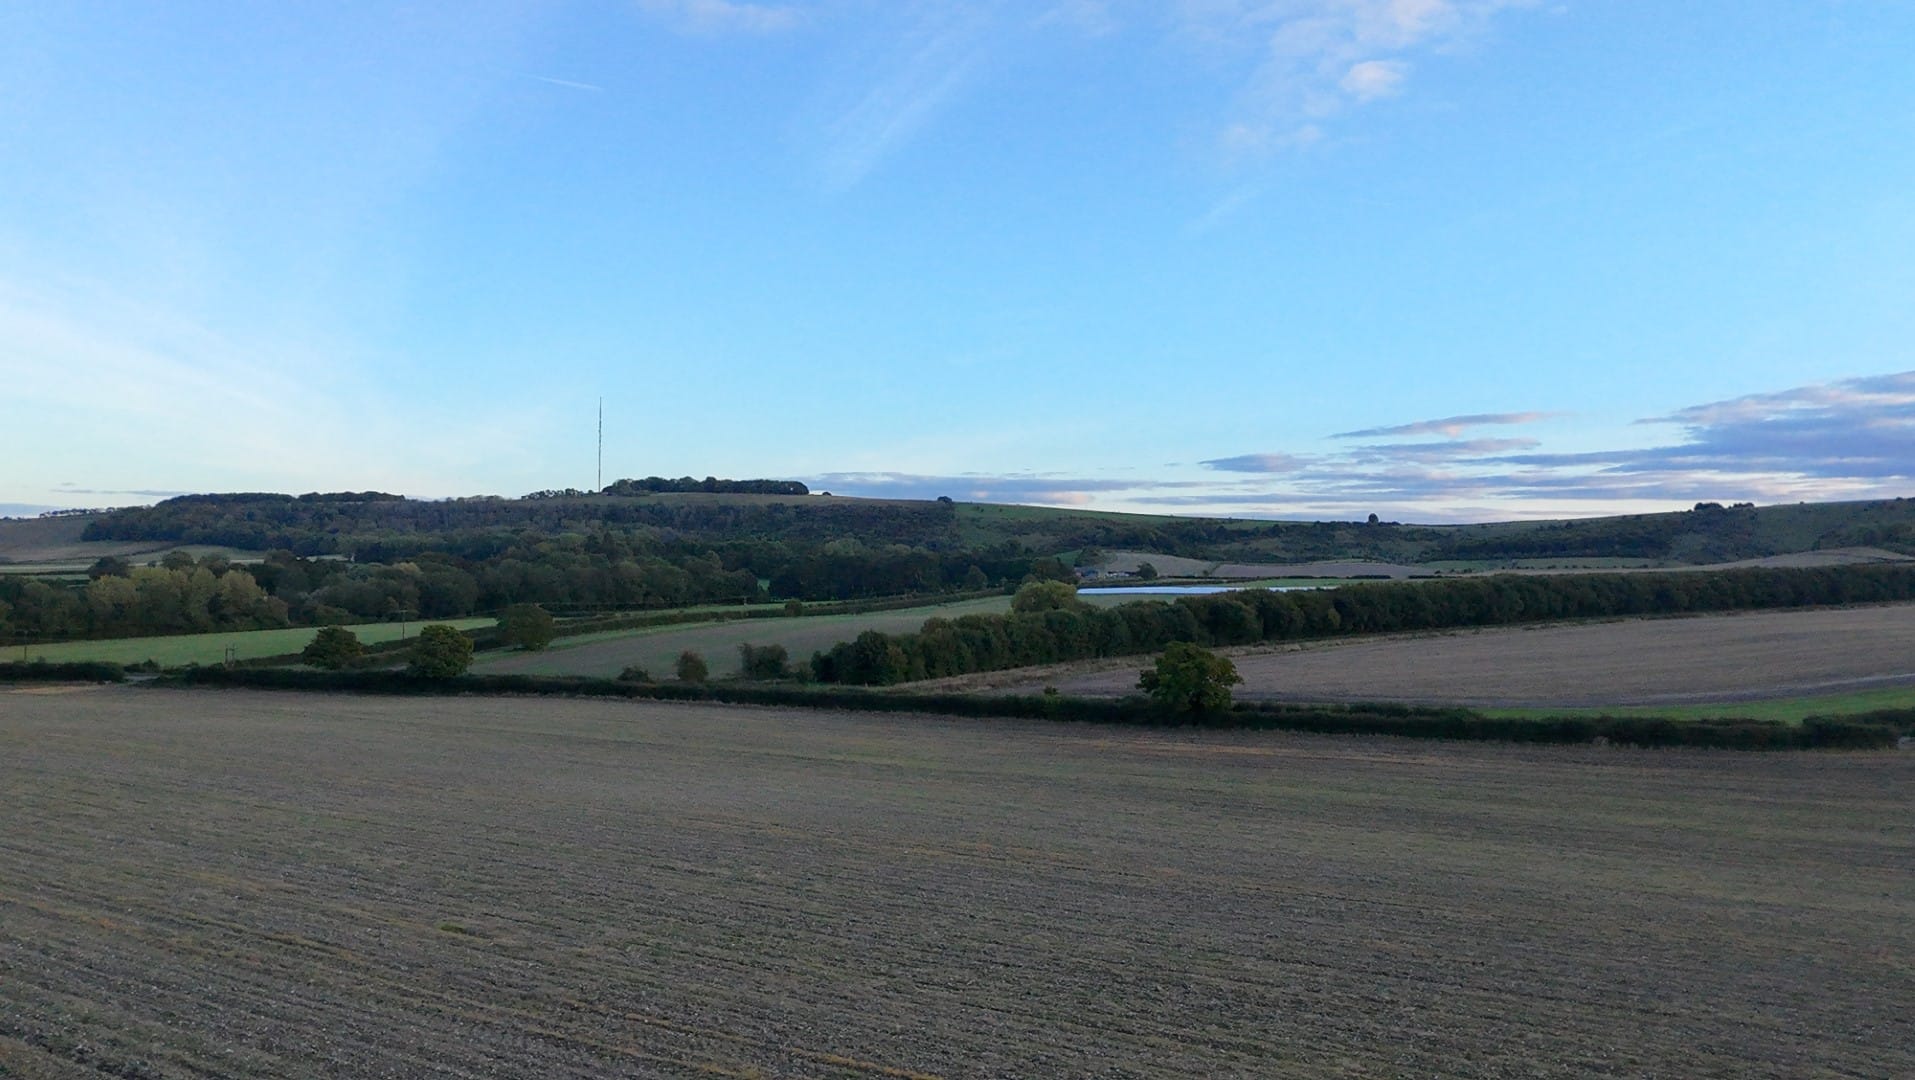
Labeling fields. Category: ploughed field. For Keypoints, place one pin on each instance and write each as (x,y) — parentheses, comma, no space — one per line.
(253,884)
(1743,656)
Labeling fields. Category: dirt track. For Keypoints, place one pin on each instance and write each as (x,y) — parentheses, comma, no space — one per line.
(1652,662)
(239,884)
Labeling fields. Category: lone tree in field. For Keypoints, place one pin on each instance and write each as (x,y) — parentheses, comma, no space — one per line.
(440,652)
(1046,596)
(691,667)
(1146,572)
(1190,679)
(528,626)
(332,648)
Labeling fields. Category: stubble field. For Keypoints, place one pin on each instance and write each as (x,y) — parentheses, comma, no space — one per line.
(1711,658)
(249,884)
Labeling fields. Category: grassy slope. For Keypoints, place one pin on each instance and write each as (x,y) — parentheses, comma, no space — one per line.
(657,648)
(53,546)
(177,649)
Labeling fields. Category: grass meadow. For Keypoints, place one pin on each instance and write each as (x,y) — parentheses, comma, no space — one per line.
(175,650)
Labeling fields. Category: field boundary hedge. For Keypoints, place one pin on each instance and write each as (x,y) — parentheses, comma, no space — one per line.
(1379,719)
(975,643)
(72,671)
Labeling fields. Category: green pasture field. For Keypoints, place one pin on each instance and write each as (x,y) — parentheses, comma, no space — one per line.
(76,566)
(656,648)
(175,650)
(1590,563)
(1790,710)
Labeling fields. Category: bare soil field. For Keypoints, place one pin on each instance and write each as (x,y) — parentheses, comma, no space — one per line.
(1172,565)
(216,884)
(1178,566)
(1746,656)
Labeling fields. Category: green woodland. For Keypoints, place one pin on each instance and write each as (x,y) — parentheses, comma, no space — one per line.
(358,557)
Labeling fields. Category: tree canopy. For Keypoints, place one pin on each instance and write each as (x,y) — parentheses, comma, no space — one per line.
(332,648)
(1189,678)
(441,652)
(528,626)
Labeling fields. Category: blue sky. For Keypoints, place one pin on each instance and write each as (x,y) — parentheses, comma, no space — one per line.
(1436,259)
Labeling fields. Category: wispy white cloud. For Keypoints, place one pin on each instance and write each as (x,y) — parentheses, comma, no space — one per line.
(1291,64)
(164,397)
(1451,426)
(568,83)
(940,56)
(1851,439)
(1257,463)
(1094,17)
(1372,79)
(723,16)
(1312,59)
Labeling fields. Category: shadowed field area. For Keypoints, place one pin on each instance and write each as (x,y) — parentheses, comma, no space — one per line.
(242,884)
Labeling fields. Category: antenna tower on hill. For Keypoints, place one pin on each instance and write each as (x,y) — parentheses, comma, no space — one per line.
(601,446)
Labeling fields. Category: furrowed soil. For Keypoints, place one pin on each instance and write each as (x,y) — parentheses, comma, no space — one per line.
(1719,658)
(249,884)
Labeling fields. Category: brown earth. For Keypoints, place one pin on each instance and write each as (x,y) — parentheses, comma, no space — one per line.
(1175,566)
(243,884)
(1746,656)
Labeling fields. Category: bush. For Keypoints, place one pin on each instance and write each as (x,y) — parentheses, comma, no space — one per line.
(441,652)
(1412,721)
(1190,679)
(332,648)
(528,626)
(691,667)
(634,673)
(763,661)
(74,671)
(1046,596)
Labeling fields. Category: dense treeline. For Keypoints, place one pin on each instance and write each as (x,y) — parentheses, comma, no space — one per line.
(391,527)
(603,570)
(1874,731)
(406,558)
(975,643)
(708,486)
(181,597)
(80,671)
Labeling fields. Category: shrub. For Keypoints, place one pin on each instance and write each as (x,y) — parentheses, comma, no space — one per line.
(528,626)
(441,652)
(332,648)
(634,673)
(1046,596)
(691,667)
(763,661)
(1190,679)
